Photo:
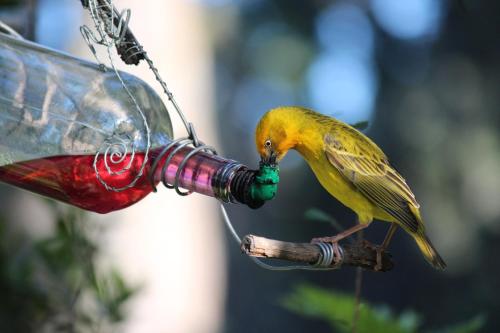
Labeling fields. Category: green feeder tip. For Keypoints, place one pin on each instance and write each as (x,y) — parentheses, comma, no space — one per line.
(265,186)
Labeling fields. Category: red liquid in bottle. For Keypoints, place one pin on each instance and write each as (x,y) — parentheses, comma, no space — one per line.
(72,179)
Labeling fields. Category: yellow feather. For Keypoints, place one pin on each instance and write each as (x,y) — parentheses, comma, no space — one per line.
(350,166)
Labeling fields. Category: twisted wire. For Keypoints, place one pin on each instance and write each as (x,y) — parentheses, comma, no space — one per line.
(130,48)
(326,251)
(104,15)
(327,256)
(9,30)
(170,151)
(113,29)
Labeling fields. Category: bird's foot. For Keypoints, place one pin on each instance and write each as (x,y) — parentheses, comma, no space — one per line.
(337,258)
(332,239)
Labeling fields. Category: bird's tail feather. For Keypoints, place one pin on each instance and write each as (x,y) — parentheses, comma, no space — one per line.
(429,252)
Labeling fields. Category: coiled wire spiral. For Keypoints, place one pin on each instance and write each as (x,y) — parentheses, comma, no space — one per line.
(175,146)
(113,29)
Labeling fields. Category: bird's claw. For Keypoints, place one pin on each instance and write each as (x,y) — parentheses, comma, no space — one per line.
(337,258)
(333,239)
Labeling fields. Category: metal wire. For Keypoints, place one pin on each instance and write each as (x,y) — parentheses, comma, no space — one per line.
(323,264)
(10,31)
(113,29)
(117,147)
(327,256)
(118,33)
(170,151)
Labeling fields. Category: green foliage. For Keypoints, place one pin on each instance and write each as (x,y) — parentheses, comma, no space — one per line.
(54,285)
(318,215)
(337,309)
(470,326)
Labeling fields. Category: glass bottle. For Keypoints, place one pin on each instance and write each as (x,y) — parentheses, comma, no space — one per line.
(70,131)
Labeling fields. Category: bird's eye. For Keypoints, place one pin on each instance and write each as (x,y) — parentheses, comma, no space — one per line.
(267,144)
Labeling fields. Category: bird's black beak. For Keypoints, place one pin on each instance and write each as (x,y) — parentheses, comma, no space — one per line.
(269,159)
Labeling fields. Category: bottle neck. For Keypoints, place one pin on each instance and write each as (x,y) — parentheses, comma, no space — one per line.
(201,172)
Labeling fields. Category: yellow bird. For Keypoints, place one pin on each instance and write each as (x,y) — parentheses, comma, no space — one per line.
(350,166)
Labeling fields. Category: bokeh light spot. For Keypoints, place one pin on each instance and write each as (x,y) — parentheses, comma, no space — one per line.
(342,86)
(409,19)
(345,28)
(53,19)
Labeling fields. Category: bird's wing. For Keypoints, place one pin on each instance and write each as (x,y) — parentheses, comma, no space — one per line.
(363,164)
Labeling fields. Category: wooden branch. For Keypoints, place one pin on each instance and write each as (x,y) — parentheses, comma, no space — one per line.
(362,254)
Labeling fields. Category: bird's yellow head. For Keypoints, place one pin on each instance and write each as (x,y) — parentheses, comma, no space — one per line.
(276,134)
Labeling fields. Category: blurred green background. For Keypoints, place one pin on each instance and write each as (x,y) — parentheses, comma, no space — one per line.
(426,75)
